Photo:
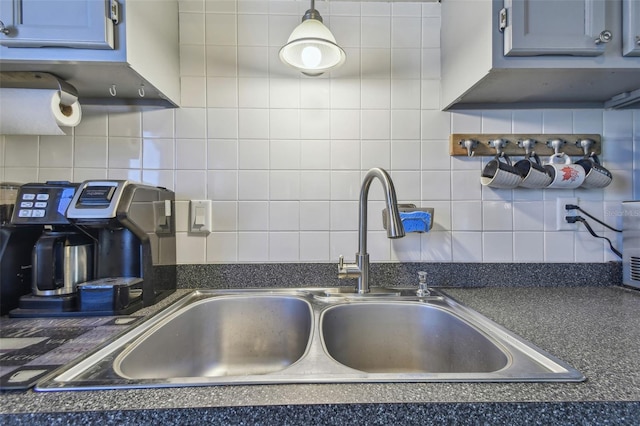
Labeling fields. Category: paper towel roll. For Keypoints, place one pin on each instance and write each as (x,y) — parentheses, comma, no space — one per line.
(36,112)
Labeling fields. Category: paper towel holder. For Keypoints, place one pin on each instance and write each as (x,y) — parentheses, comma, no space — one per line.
(39,80)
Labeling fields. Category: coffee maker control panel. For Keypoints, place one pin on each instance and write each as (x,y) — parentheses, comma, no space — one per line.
(43,203)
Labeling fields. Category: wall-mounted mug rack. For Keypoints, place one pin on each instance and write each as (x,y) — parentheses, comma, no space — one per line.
(520,144)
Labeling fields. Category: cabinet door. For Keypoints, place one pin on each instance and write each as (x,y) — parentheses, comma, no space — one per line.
(631,27)
(554,27)
(83,24)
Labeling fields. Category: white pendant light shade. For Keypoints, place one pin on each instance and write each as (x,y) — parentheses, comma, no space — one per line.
(312,49)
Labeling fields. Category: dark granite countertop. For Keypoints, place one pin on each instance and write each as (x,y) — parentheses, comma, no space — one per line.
(595,329)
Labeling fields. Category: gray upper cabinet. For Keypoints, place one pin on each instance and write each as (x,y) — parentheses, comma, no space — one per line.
(68,23)
(552,27)
(540,54)
(123,52)
(631,27)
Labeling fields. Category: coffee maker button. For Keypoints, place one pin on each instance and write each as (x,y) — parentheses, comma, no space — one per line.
(28,196)
(24,213)
(26,204)
(38,213)
(41,205)
(42,197)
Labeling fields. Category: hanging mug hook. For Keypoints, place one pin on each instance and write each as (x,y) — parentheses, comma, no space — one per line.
(470,144)
(527,145)
(112,90)
(586,145)
(556,144)
(498,144)
(141,91)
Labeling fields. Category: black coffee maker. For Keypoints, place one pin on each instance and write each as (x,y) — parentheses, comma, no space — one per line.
(107,247)
(60,254)
(16,244)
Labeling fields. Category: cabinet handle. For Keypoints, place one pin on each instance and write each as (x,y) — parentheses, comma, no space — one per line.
(604,37)
(4,30)
(638,40)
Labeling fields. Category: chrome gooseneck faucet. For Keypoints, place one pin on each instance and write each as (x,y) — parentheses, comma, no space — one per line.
(360,269)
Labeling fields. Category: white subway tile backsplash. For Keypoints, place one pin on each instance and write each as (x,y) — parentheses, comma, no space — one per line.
(315,185)
(192,28)
(376,31)
(284,216)
(94,122)
(314,246)
(284,185)
(314,215)
(284,124)
(406,63)
(225,216)
(253,216)
(222,185)
(315,124)
(191,184)
(191,123)
(164,178)
(128,124)
(61,174)
(252,124)
(192,60)
(466,246)
(82,174)
(56,151)
(375,63)
(436,247)
(497,247)
(375,153)
(222,247)
(222,92)
(253,185)
(282,155)
(528,247)
(157,123)
(222,123)
(405,124)
(222,154)
(159,154)
(253,246)
(125,153)
(21,151)
(376,94)
(497,215)
(284,246)
(253,154)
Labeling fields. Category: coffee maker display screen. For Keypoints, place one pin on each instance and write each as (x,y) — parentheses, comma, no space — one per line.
(96,195)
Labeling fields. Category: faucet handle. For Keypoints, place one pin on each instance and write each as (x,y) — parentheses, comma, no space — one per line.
(347,270)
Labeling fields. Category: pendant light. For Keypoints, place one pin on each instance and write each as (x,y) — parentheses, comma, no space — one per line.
(311,47)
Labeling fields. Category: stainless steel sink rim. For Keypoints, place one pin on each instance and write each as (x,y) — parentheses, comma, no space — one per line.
(95,370)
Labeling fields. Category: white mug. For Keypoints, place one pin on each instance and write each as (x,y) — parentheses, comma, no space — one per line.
(564,176)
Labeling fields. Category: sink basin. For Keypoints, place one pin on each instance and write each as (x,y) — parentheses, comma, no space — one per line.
(368,337)
(320,335)
(226,336)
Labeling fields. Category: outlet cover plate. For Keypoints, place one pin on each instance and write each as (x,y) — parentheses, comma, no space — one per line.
(200,220)
(562,213)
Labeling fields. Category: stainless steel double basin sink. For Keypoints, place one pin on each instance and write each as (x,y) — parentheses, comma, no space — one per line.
(322,335)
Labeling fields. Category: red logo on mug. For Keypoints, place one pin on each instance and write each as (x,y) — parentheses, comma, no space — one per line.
(569,173)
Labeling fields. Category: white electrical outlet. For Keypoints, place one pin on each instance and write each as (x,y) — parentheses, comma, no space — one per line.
(562,213)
